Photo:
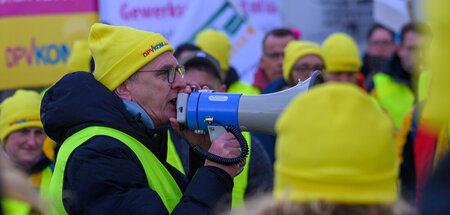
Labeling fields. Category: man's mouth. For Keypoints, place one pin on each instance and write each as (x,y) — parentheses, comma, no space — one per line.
(173,101)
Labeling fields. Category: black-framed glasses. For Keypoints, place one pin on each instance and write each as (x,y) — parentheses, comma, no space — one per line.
(171,72)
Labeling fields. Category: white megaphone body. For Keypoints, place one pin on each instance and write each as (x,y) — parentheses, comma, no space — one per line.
(205,110)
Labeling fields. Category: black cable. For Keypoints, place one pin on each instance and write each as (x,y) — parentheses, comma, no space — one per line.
(226,161)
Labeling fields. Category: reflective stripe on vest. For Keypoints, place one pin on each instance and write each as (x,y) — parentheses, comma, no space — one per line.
(158,178)
(240,181)
(396,98)
(172,155)
(45,181)
(15,207)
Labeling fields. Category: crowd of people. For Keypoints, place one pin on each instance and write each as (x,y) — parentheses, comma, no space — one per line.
(105,139)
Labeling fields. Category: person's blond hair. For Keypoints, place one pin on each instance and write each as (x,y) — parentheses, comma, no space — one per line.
(266,205)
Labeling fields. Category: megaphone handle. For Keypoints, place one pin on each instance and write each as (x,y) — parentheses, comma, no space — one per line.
(215,132)
(227,161)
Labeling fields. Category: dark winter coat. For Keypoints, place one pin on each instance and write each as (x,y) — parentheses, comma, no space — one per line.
(104,176)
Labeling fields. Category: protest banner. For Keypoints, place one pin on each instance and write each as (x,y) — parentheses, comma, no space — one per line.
(37,39)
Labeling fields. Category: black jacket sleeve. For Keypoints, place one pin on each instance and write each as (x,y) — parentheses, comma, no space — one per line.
(103,176)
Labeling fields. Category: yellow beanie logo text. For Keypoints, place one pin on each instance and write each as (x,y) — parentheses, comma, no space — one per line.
(154,48)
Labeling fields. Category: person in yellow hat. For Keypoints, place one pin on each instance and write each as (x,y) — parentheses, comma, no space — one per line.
(217,44)
(22,138)
(301,59)
(342,59)
(113,128)
(337,159)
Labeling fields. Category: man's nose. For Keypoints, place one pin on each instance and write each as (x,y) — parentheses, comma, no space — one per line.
(33,139)
(179,81)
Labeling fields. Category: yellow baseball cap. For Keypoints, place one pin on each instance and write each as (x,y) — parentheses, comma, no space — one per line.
(334,144)
(120,51)
(22,110)
(217,44)
(295,50)
(341,53)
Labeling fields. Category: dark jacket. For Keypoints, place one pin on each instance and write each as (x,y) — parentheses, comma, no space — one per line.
(260,169)
(371,66)
(394,68)
(104,176)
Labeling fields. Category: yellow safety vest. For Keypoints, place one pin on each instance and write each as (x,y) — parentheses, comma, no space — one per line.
(396,98)
(240,181)
(241,87)
(158,178)
(172,155)
(17,207)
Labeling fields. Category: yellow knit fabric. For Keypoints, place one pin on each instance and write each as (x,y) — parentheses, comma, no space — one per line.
(341,53)
(295,50)
(120,51)
(335,144)
(22,110)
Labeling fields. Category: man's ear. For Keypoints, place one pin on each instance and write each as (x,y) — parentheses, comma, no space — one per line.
(223,88)
(123,91)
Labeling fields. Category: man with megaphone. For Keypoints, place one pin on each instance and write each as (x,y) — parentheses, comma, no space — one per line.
(113,129)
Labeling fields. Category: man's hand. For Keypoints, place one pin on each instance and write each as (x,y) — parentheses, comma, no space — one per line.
(226,146)
(192,138)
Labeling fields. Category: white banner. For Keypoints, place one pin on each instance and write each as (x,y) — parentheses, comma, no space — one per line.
(163,15)
(223,15)
(180,20)
(155,16)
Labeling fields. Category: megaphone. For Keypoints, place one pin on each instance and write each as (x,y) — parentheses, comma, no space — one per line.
(207,111)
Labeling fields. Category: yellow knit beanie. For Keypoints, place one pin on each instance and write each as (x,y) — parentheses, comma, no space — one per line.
(295,50)
(22,110)
(341,53)
(217,44)
(80,57)
(120,51)
(334,144)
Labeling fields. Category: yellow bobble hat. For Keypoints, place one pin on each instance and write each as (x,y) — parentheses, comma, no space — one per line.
(22,110)
(295,50)
(217,44)
(341,53)
(334,144)
(80,57)
(120,51)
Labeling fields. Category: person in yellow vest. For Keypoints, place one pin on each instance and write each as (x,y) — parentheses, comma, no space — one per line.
(217,44)
(22,139)
(342,61)
(340,159)
(257,175)
(395,86)
(113,128)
